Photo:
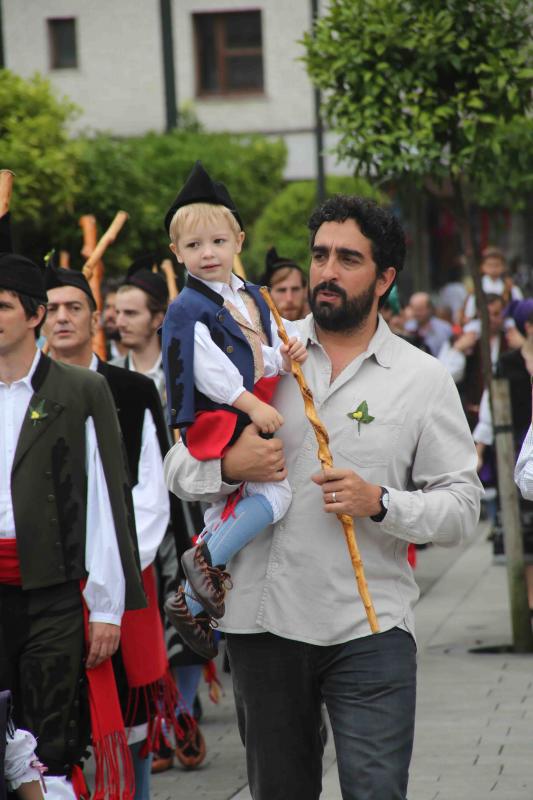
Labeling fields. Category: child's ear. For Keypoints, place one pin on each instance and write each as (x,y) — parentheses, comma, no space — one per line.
(172,248)
(240,241)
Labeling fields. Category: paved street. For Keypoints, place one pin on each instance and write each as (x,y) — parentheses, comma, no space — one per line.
(475,712)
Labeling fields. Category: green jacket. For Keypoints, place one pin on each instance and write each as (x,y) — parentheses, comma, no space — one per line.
(49,479)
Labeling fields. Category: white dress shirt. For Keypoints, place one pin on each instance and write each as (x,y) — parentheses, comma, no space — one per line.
(155,373)
(105,588)
(14,401)
(215,375)
(296,579)
(150,496)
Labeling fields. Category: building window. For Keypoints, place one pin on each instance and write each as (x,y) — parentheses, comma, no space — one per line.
(229,52)
(62,38)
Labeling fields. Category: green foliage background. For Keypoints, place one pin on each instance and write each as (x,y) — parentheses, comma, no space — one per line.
(59,178)
(283,223)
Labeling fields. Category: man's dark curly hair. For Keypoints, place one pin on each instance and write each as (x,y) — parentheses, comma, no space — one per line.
(377,224)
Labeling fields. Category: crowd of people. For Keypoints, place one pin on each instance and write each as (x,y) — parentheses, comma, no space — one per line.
(447,326)
(146,507)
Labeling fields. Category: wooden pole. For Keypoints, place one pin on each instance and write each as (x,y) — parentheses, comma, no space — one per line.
(108,238)
(168,270)
(90,238)
(93,269)
(510,510)
(326,459)
(6,187)
(64,259)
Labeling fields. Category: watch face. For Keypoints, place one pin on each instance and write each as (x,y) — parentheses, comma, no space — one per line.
(385,500)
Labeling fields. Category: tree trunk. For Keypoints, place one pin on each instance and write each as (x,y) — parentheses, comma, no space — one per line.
(514,551)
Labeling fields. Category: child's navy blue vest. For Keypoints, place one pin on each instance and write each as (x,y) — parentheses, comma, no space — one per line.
(198,303)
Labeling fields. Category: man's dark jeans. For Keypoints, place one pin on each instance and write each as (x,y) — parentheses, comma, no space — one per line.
(369,687)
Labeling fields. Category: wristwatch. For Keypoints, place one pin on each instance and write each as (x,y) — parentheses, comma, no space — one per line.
(384,501)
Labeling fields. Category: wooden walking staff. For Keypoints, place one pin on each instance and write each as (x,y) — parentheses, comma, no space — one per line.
(6,187)
(326,459)
(93,269)
(168,271)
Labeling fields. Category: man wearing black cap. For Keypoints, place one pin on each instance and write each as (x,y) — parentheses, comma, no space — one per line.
(297,632)
(141,303)
(67,533)
(287,284)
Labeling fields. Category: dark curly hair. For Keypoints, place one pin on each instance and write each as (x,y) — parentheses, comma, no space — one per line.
(377,224)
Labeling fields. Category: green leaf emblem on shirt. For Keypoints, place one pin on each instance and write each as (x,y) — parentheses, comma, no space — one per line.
(38,413)
(361,415)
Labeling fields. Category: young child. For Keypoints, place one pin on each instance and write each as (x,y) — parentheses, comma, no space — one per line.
(222,358)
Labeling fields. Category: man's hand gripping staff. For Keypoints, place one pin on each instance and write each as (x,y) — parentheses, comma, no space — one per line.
(325,457)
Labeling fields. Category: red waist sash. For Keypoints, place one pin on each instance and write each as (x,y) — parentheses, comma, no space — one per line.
(210,434)
(9,563)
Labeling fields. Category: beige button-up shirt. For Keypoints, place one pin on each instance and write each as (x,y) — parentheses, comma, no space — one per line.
(295,579)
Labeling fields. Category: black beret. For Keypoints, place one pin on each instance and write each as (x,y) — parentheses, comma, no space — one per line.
(19,274)
(57,276)
(141,275)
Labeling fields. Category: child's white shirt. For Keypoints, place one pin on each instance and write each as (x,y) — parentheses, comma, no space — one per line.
(20,754)
(215,375)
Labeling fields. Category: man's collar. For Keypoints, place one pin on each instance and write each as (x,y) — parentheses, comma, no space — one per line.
(380,345)
(154,369)
(27,379)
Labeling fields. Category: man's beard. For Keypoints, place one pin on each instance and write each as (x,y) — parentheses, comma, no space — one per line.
(349,315)
(112,334)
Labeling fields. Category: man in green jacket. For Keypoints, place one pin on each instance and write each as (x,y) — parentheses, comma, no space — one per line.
(67,530)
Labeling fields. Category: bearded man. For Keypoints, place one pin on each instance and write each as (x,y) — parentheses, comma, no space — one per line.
(297,632)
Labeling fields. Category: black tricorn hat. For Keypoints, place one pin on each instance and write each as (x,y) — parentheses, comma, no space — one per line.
(19,274)
(57,276)
(200,188)
(6,243)
(141,275)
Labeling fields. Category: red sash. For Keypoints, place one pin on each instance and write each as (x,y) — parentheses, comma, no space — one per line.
(211,432)
(9,562)
(114,777)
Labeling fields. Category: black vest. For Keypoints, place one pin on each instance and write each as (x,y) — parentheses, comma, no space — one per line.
(133,394)
(49,479)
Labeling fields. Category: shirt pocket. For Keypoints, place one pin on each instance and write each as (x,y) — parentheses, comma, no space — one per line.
(374,445)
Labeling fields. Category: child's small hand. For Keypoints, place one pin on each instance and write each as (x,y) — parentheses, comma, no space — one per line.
(267,419)
(293,351)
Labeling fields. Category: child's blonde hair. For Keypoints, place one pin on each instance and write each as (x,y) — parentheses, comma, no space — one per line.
(192,215)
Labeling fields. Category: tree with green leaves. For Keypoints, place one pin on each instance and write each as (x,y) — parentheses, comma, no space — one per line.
(34,143)
(59,177)
(439,89)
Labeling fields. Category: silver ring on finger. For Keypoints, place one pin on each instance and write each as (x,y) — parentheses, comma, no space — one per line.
(334,497)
